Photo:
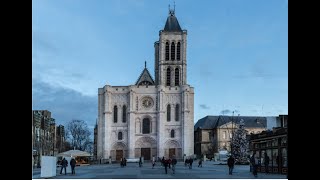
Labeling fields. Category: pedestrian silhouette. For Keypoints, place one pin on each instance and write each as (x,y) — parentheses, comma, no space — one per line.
(73,165)
(140,162)
(200,163)
(174,162)
(64,164)
(230,164)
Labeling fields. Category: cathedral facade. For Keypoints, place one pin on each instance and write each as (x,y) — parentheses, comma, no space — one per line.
(153,117)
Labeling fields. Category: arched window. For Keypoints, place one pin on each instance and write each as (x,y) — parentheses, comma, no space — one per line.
(168,76)
(124,114)
(120,136)
(146,126)
(177,112)
(115,114)
(173,50)
(172,133)
(176,77)
(178,51)
(167,51)
(168,112)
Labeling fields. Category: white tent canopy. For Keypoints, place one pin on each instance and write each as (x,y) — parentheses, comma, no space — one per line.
(73,153)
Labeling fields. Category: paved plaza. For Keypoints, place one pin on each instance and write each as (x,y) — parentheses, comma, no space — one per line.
(210,170)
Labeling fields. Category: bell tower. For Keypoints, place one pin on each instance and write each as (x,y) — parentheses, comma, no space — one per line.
(170,53)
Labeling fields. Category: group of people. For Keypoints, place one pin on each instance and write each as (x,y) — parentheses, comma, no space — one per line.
(255,162)
(171,163)
(168,162)
(64,165)
(123,162)
(188,162)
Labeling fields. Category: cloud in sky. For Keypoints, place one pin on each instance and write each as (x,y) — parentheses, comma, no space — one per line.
(64,104)
(226,111)
(204,106)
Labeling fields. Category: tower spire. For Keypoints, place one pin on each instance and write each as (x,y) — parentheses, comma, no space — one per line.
(145,64)
(172,11)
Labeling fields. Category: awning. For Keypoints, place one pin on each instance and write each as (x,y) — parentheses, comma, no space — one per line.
(73,153)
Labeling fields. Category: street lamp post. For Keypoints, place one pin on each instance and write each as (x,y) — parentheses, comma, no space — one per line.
(232,134)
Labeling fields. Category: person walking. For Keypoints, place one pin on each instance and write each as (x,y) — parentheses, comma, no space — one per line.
(162,161)
(140,162)
(125,161)
(186,162)
(166,163)
(266,162)
(73,166)
(174,162)
(230,164)
(200,162)
(64,164)
(153,161)
(254,162)
(121,163)
(190,163)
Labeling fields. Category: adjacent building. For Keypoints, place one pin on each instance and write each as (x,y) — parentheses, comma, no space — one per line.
(214,133)
(275,143)
(47,138)
(154,116)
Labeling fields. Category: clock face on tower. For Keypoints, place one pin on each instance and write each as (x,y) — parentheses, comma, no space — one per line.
(147,102)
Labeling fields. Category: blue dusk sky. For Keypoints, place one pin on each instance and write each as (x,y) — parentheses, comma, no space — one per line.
(237,53)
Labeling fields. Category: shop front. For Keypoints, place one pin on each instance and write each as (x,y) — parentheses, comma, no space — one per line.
(275,145)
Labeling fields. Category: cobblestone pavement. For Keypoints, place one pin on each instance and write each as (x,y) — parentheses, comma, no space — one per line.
(133,171)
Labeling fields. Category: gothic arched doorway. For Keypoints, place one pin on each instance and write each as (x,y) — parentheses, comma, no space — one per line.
(146,147)
(172,148)
(118,151)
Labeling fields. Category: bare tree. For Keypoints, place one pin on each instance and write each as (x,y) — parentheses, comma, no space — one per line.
(78,133)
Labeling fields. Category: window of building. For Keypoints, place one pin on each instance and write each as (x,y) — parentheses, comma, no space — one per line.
(167,51)
(124,114)
(173,50)
(168,112)
(168,77)
(172,133)
(177,112)
(230,135)
(284,141)
(146,126)
(176,77)
(275,142)
(284,160)
(210,136)
(269,153)
(115,114)
(284,122)
(120,136)
(224,134)
(178,51)
(275,158)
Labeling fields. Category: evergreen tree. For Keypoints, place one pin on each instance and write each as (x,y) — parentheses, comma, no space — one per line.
(239,143)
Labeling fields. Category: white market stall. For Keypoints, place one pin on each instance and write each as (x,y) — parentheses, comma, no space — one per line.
(80,156)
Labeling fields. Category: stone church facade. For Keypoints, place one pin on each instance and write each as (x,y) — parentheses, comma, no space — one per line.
(153,117)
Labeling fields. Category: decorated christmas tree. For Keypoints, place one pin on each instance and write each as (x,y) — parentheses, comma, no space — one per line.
(239,143)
